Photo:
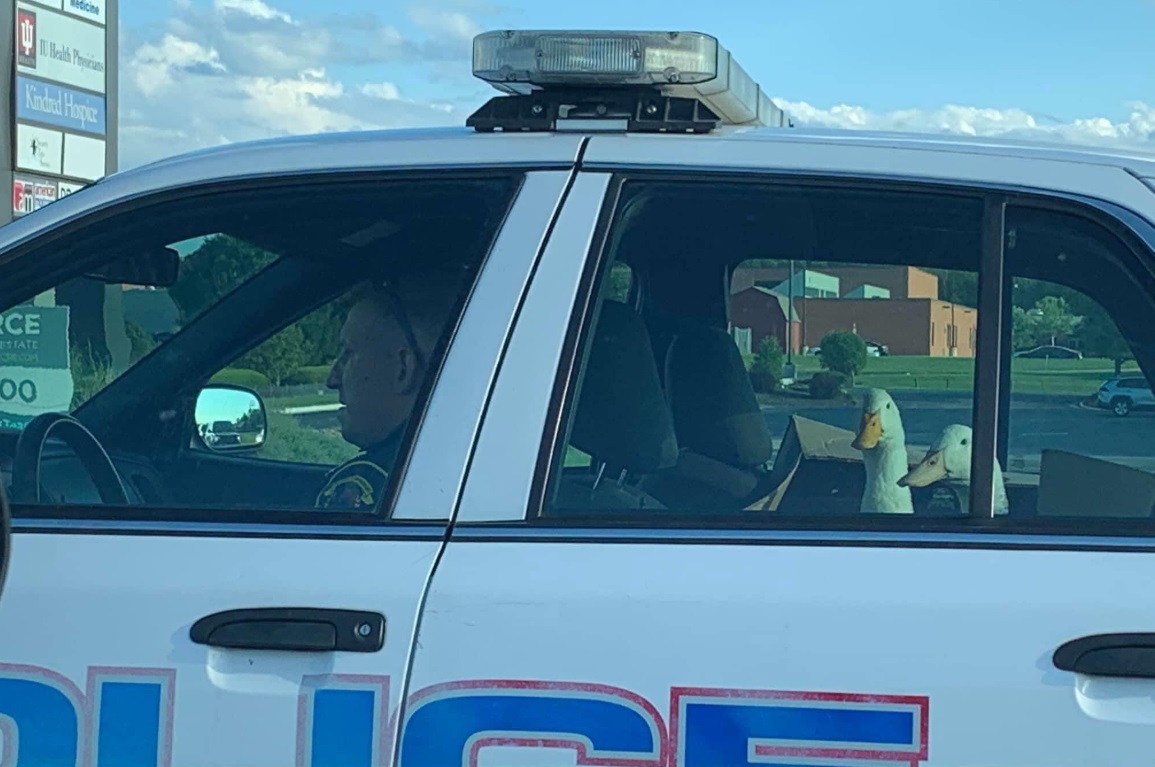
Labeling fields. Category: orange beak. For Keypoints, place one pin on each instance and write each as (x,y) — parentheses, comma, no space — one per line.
(869,432)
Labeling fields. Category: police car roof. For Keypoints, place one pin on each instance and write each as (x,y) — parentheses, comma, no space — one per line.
(464,147)
(1142,163)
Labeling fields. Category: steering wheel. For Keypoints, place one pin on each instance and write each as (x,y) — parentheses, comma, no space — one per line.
(92,455)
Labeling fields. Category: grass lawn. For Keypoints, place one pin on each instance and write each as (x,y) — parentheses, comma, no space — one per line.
(301,400)
(1028,376)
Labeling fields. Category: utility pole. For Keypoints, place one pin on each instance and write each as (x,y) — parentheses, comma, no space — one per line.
(788,370)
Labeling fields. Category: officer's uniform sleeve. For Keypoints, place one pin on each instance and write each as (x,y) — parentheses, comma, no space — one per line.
(356,485)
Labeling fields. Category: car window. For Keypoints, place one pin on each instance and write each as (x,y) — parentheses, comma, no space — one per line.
(286,364)
(834,379)
(798,357)
(1076,448)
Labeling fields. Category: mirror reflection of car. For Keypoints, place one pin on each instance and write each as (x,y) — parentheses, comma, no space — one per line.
(873,349)
(1050,351)
(1126,393)
(230,418)
(220,433)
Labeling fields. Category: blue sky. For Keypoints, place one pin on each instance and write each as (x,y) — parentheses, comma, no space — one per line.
(1076,71)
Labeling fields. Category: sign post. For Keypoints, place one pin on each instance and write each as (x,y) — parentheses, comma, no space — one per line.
(61,118)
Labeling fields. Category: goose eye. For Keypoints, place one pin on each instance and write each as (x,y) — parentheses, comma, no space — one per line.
(965,442)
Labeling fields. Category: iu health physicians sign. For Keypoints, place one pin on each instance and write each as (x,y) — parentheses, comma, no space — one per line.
(59,47)
(35,375)
(63,111)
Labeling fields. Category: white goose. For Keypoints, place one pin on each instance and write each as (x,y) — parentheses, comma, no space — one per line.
(949,458)
(883,444)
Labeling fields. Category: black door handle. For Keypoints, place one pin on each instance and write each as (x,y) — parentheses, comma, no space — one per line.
(1122,655)
(300,629)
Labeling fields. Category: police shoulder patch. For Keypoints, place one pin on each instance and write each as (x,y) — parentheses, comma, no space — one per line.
(357,486)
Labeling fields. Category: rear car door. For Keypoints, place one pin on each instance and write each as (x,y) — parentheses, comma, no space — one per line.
(666,558)
(252,596)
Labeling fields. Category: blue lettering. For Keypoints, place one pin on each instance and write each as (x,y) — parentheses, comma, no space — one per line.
(125,720)
(746,728)
(345,721)
(40,713)
(131,717)
(42,716)
(452,723)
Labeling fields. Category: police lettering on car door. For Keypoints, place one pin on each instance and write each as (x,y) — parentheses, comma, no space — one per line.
(126,716)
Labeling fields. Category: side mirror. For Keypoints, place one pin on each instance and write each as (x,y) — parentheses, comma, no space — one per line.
(230,418)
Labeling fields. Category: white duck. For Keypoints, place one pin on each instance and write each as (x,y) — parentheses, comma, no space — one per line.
(883,444)
(949,458)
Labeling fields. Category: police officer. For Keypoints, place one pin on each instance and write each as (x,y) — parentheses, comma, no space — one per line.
(385,340)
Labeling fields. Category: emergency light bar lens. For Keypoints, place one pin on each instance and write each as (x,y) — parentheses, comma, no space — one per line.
(623,58)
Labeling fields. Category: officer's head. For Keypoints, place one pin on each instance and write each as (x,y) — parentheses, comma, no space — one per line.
(388,336)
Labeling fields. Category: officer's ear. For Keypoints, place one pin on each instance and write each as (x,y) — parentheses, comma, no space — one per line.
(408,371)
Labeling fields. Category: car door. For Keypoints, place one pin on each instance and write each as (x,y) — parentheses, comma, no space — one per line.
(660,558)
(226,612)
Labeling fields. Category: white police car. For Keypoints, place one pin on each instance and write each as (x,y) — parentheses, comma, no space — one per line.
(598,543)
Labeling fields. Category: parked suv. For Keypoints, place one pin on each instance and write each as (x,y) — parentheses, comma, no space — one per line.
(1122,395)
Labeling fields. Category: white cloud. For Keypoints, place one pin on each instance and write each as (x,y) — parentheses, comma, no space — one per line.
(1136,131)
(387,91)
(244,69)
(255,8)
(155,66)
(451,25)
(228,70)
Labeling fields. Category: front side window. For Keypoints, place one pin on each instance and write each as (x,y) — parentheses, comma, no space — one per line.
(812,355)
(250,349)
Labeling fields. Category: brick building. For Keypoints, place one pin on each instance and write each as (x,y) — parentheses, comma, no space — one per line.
(898,307)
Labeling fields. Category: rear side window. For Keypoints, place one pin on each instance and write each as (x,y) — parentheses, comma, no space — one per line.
(813,356)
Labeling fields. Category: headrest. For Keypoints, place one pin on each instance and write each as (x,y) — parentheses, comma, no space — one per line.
(715,409)
(622,417)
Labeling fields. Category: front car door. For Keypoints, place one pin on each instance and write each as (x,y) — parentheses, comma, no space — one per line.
(662,557)
(253,598)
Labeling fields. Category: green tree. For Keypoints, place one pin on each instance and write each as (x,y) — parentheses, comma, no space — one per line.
(1100,337)
(960,288)
(843,352)
(1054,320)
(1022,329)
(142,342)
(1049,321)
(321,334)
(214,269)
(766,368)
(279,356)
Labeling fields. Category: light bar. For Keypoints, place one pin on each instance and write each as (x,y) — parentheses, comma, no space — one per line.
(677,64)
(594,58)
